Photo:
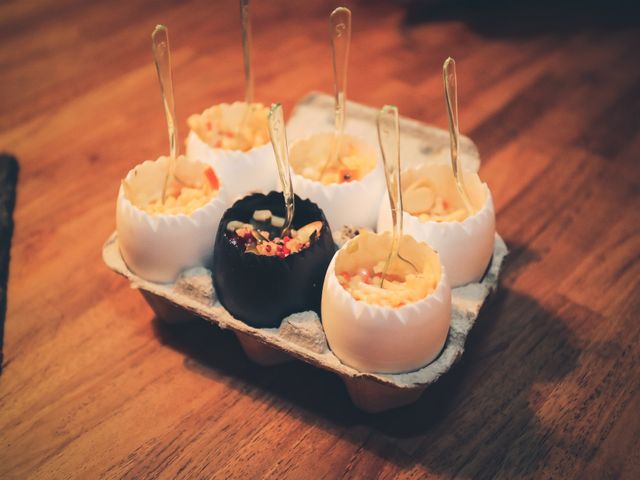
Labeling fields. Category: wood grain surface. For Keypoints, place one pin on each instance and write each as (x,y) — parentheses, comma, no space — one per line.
(94,387)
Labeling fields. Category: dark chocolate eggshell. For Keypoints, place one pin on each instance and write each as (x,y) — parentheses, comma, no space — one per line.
(262,290)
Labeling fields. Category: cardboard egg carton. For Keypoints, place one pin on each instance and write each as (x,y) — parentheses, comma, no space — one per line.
(301,335)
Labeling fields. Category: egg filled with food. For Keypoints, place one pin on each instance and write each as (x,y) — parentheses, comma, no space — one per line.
(435,213)
(261,275)
(234,139)
(158,239)
(397,326)
(347,185)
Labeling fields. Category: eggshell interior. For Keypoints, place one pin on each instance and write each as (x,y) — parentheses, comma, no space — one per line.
(159,247)
(379,339)
(352,203)
(465,247)
(241,172)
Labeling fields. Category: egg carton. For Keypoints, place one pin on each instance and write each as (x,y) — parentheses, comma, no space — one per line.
(301,335)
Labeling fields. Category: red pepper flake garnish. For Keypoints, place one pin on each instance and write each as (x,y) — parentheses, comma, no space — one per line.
(346,175)
(365,274)
(212,177)
(445,204)
(174,190)
(209,125)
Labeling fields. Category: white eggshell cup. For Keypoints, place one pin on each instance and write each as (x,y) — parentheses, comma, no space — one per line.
(352,203)
(158,247)
(242,173)
(465,247)
(379,339)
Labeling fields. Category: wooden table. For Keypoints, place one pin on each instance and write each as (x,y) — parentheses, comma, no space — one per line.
(93,386)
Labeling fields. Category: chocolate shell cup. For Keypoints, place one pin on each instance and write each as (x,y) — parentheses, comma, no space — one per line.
(262,290)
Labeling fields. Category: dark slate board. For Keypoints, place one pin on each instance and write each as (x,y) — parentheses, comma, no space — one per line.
(8,183)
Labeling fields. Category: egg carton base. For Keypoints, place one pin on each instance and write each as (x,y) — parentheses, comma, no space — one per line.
(368,396)
(301,336)
(375,398)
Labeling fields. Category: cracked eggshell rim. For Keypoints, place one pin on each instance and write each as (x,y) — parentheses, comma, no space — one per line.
(465,248)
(159,247)
(242,173)
(377,339)
(353,203)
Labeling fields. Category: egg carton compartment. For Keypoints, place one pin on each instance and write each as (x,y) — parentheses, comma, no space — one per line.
(192,297)
(301,335)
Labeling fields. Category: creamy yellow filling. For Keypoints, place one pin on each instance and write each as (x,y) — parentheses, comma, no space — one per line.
(181,199)
(246,129)
(315,163)
(421,199)
(360,267)
(346,169)
(397,290)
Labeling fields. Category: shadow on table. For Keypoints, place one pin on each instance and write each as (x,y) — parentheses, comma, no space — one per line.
(522,18)
(478,417)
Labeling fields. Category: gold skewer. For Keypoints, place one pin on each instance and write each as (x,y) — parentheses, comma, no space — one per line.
(246,51)
(389,137)
(451,101)
(247,45)
(162,59)
(340,35)
(281,150)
